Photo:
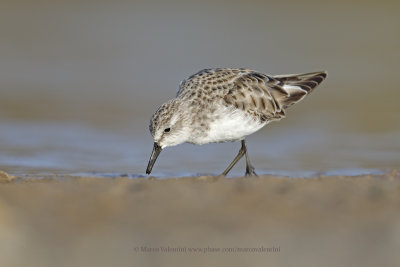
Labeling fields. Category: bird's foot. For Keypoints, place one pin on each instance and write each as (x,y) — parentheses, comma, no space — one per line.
(250,171)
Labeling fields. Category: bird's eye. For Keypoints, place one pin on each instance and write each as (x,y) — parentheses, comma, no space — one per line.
(167,130)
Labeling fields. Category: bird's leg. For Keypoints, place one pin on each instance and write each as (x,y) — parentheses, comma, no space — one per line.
(249,168)
(241,153)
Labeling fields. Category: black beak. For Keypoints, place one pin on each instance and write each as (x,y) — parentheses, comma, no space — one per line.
(156,151)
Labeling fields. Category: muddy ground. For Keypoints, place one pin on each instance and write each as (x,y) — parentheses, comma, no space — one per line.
(75,221)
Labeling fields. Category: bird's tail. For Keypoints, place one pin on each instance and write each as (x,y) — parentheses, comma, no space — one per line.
(294,87)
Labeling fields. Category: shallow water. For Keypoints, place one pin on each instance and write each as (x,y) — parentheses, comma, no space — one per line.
(80,150)
(79,82)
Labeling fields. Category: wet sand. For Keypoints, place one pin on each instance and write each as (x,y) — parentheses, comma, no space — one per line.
(198,221)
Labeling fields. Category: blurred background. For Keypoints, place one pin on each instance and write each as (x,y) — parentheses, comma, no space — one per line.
(79,81)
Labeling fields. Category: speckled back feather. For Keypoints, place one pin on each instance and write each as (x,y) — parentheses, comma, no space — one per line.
(262,96)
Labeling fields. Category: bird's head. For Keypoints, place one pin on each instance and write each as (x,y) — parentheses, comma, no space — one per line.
(168,128)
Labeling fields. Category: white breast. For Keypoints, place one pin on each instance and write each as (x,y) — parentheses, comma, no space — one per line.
(230,125)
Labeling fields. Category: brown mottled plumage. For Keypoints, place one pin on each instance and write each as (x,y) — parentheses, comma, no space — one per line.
(218,105)
(256,93)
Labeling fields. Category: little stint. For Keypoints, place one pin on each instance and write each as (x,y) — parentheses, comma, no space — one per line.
(224,104)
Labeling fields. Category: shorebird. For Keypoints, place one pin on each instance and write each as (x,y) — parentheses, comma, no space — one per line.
(226,104)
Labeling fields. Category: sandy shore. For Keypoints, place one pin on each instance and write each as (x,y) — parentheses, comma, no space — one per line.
(324,221)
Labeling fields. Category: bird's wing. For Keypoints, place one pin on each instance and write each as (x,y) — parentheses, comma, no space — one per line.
(266,97)
(217,80)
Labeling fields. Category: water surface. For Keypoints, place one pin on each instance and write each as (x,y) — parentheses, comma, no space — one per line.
(29,148)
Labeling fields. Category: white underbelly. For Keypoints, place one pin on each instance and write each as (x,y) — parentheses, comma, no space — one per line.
(230,125)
